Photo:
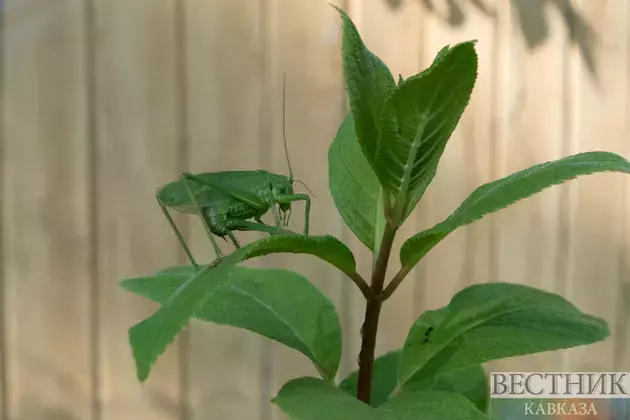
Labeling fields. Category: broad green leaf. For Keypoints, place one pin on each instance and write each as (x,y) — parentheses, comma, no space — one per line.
(160,286)
(417,122)
(493,321)
(326,247)
(430,405)
(470,382)
(256,300)
(369,84)
(150,338)
(353,184)
(314,399)
(501,193)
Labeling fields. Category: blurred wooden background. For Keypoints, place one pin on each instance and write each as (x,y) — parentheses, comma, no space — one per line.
(102,101)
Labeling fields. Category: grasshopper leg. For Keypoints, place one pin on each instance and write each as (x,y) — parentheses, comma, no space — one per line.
(178,234)
(234,240)
(276,215)
(217,250)
(257,227)
(290,198)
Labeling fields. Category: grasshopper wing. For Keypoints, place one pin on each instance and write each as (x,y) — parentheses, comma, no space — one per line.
(231,185)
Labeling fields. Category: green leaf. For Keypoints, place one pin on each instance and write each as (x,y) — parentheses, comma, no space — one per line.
(501,193)
(256,300)
(314,399)
(160,286)
(417,122)
(150,338)
(369,84)
(430,405)
(493,321)
(353,184)
(441,53)
(470,382)
(326,247)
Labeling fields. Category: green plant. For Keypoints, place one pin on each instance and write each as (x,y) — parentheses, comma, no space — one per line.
(383,157)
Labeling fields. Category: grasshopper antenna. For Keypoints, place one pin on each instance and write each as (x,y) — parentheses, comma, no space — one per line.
(306,186)
(284,134)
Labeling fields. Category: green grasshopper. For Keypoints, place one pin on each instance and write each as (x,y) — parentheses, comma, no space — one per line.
(225,201)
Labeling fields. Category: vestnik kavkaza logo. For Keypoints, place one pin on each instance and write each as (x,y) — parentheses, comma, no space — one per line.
(560,385)
(546,395)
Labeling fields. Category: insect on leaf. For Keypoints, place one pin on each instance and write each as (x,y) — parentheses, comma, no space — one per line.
(233,189)
(230,183)
(491,321)
(353,185)
(417,122)
(501,193)
(256,299)
(150,338)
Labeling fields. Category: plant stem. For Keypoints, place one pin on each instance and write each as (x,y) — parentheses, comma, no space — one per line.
(368,344)
(372,313)
(393,285)
(361,284)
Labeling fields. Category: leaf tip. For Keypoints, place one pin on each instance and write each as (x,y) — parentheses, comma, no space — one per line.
(338,9)
(348,24)
(604,328)
(125,284)
(143,366)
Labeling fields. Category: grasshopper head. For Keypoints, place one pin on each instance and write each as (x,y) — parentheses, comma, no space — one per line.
(284,185)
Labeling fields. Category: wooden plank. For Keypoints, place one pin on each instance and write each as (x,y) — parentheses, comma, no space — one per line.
(594,276)
(137,152)
(4,342)
(224,78)
(46,222)
(532,115)
(395,35)
(305,44)
(464,257)
(622,342)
